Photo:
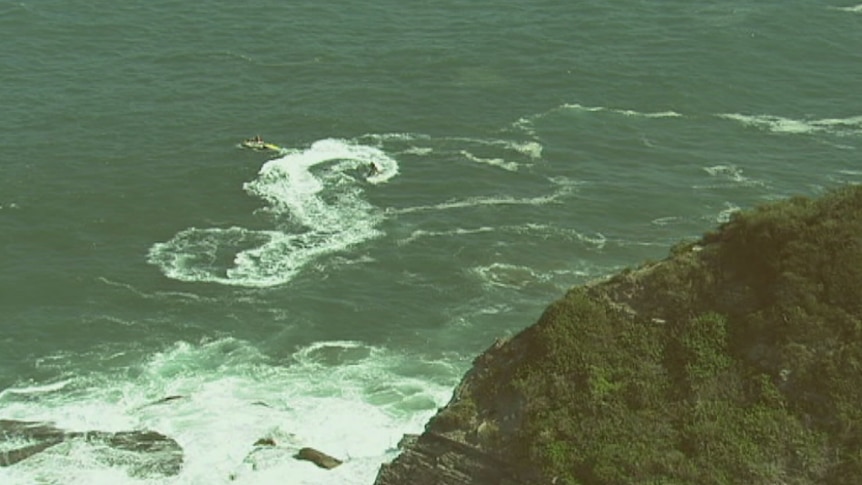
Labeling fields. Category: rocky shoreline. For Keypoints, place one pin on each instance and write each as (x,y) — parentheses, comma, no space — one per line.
(731,361)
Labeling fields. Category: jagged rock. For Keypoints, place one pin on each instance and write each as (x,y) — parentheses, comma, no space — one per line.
(168,399)
(318,458)
(407,441)
(163,400)
(15,455)
(435,459)
(142,453)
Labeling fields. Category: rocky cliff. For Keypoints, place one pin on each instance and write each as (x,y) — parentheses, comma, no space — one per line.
(738,359)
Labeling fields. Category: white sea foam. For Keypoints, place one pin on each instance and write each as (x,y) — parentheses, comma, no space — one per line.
(497,162)
(527,124)
(35,389)
(624,112)
(315,196)
(414,150)
(477,202)
(531,149)
(777,124)
(348,399)
(726,171)
(503,153)
(385,137)
(157,295)
(730,173)
(419,234)
(854,8)
(596,240)
(666,221)
(508,154)
(725,214)
(510,276)
(565,187)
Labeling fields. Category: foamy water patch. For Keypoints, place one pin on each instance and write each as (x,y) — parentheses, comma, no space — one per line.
(596,240)
(497,162)
(510,276)
(38,389)
(381,138)
(778,124)
(729,175)
(527,124)
(725,214)
(218,398)
(316,198)
(504,153)
(476,202)
(667,221)
(457,232)
(853,8)
(624,112)
(564,188)
(531,149)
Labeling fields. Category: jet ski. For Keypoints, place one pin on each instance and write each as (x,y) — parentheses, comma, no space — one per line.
(258,144)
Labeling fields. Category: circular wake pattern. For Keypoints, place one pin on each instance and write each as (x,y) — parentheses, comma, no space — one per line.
(315,197)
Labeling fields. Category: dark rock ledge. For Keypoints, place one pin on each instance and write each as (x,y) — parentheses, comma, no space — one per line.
(142,453)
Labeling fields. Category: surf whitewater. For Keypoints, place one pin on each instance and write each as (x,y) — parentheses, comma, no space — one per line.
(314,201)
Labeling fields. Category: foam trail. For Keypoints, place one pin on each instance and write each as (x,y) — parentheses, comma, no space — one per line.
(624,112)
(854,8)
(566,187)
(778,124)
(317,202)
(509,275)
(497,162)
(33,390)
(531,149)
(475,202)
(418,234)
(526,124)
(731,173)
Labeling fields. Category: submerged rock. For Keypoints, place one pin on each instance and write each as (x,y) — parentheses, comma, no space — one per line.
(265,442)
(267,453)
(319,458)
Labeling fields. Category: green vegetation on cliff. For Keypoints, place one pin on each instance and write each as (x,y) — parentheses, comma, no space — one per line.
(736,360)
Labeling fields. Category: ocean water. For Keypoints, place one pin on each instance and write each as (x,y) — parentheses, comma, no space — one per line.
(523,148)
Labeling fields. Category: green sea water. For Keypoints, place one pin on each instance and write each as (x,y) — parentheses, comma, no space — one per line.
(523,148)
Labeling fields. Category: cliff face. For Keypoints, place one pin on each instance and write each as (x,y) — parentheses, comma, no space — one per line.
(735,360)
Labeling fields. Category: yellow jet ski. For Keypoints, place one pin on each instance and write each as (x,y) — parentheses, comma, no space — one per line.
(258,144)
